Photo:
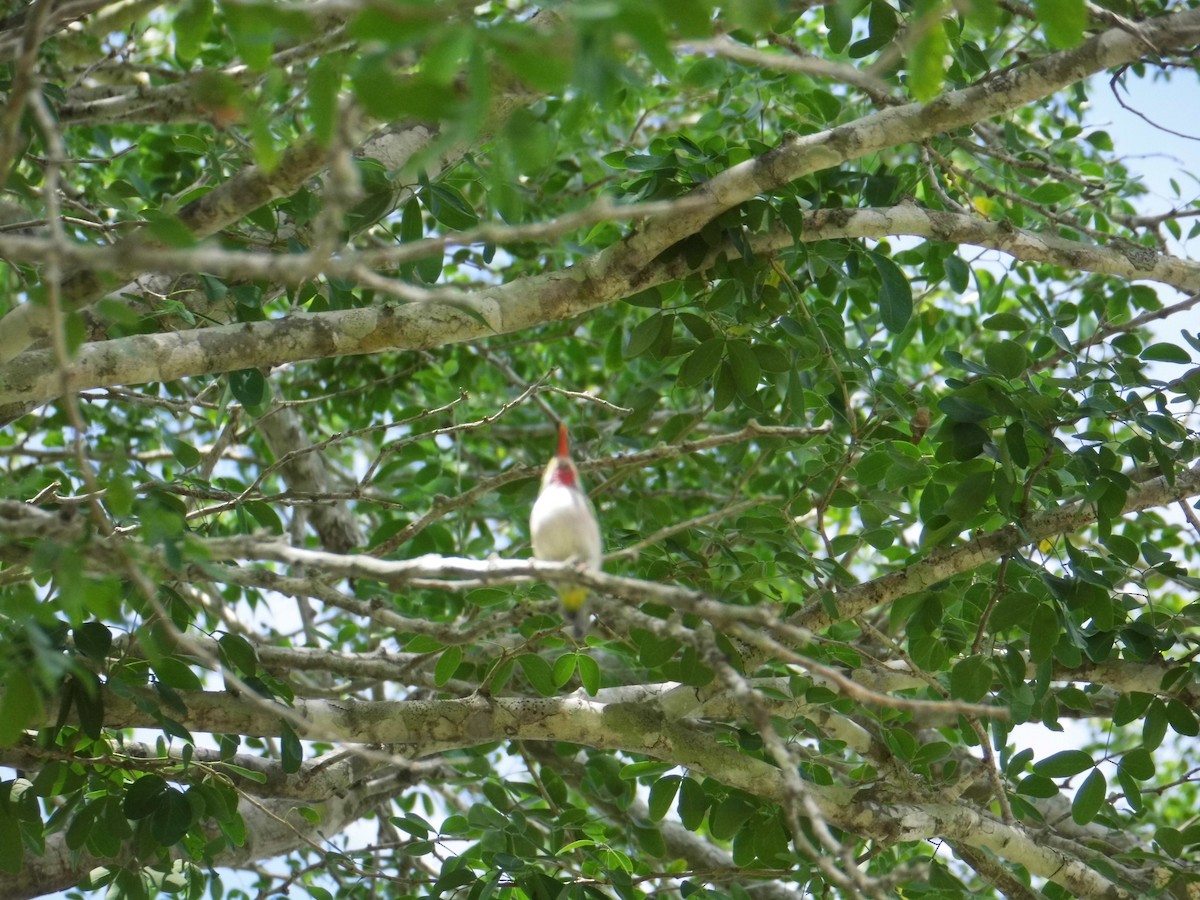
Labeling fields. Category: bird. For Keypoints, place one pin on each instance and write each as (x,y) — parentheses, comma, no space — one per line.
(564,528)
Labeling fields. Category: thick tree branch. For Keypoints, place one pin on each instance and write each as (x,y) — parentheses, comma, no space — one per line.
(999,93)
(440,725)
(796,63)
(248,190)
(451,316)
(318,779)
(334,522)
(615,272)
(240,195)
(947,562)
(1121,257)
(273,828)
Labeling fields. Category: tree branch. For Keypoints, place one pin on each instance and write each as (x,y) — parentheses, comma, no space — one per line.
(451,316)
(440,725)
(945,563)
(614,272)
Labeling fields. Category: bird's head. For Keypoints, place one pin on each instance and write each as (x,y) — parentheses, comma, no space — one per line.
(561,469)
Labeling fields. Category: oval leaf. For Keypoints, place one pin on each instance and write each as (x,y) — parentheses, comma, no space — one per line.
(1064,764)
(895,295)
(1089,798)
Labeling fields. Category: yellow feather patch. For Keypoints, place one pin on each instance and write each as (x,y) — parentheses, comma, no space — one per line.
(573,598)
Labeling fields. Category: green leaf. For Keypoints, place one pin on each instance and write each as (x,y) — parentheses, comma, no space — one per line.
(744,366)
(958,273)
(1043,634)
(1012,610)
(242,772)
(93,640)
(589,674)
(251,32)
(429,270)
(724,387)
(12,849)
(970,497)
(447,664)
(142,797)
(931,753)
(693,803)
(1182,719)
(882,25)
(1133,791)
(1064,764)
(1051,192)
(538,671)
(192,23)
(1122,548)
(291,752)
(564,669)
(1166,352)
(901,742)
(971,678)
(324,85)
(1005,322)
(1060,338)
(662,795)
(1171,841)
(187,455)
(961,409)
(644,335)
(175,673)
(925,58)
(119,496)
(171,818)
(895,296)
(840,25)
(772,359)
(50,780)
(1007,358)
(1154,725)
(1062,20)
(728,816)
(449,207)
(647,30)
(1138,763)
(79,831)
(20,706)
(240,653)
(1037,786)
(701,362)
(697,326)
(412,222)
(249,387)
(412,824)
(1130,706)
(89,703)
(247,296)
(168,228)
(1089,798)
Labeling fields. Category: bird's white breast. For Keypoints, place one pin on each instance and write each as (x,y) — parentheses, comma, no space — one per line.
(563,527)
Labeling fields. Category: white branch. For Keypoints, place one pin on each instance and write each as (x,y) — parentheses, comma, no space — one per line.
(437,726)
(450,316)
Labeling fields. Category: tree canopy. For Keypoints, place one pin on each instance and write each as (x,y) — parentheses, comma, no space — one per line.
(874,354)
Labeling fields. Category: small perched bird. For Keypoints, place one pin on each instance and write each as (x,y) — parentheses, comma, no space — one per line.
(564,528)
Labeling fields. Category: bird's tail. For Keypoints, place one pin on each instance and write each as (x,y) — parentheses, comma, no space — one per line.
(573,602)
